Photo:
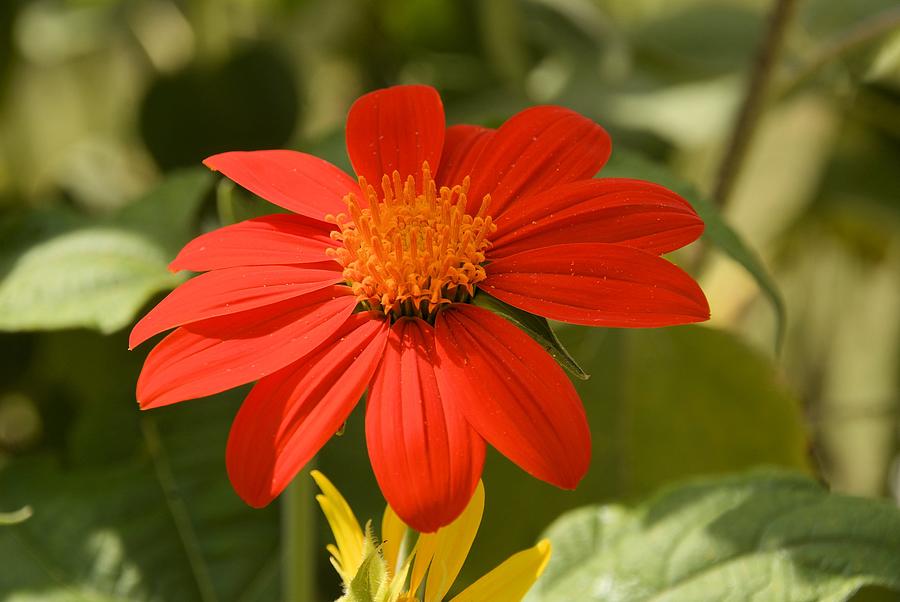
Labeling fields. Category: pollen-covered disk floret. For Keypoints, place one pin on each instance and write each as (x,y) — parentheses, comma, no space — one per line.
(408,252)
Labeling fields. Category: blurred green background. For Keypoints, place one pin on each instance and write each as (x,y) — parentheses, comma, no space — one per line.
(107,108)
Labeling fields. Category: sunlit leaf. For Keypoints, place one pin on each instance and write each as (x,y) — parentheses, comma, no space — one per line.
(774,536)
(93,277)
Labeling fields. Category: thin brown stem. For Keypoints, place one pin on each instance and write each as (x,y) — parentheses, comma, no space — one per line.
(754,98)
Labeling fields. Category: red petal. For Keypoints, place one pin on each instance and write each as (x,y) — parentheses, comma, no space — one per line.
(462,147)
(626,212)
(597,285)
(395,129)
(535,150)
(270,240)
(426,457)
(229,291)
(211,356)
(291,414)
(296,181)
(514,394)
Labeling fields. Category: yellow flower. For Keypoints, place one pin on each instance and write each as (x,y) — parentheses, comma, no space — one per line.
(386,573)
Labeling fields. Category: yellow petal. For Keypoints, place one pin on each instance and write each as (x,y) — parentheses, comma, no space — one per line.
(393,530)
(510,581)
(399,581)
(423,551)
(347,533)
(453,544)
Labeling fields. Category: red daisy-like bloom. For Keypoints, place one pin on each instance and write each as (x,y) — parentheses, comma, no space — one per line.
(368,285)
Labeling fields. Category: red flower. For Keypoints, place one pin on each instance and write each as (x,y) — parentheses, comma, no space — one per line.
(367,285)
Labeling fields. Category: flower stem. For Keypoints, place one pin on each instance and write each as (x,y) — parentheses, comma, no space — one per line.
(754,98)
(298,540)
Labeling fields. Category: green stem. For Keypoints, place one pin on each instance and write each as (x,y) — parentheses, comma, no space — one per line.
(754,98)
(298,539)
(225,202)
(14,518)
(501,34)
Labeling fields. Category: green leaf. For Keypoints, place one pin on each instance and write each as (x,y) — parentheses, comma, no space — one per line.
(687,400)
(628,164)
(62,272)
(764,536)
(92,277)
(537,328)
(162,524)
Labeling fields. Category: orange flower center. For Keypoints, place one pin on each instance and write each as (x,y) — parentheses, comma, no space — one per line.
(408,253)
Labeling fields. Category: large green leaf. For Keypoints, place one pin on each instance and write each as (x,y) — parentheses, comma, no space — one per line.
(764,536)
(94,277)
(62,271)
(668,403)
(628,164)
(163,524)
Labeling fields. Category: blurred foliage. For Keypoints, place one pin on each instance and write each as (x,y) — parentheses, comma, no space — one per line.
(62,270)
(199,111)
(101,99)
(160,525)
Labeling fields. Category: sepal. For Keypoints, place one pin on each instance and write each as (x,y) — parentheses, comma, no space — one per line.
(536,327)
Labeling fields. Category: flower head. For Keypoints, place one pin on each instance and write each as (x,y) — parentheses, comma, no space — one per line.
(413,248)
(389,574)
(368,285)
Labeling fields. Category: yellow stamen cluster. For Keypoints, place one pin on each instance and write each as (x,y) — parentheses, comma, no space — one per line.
(413,249)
